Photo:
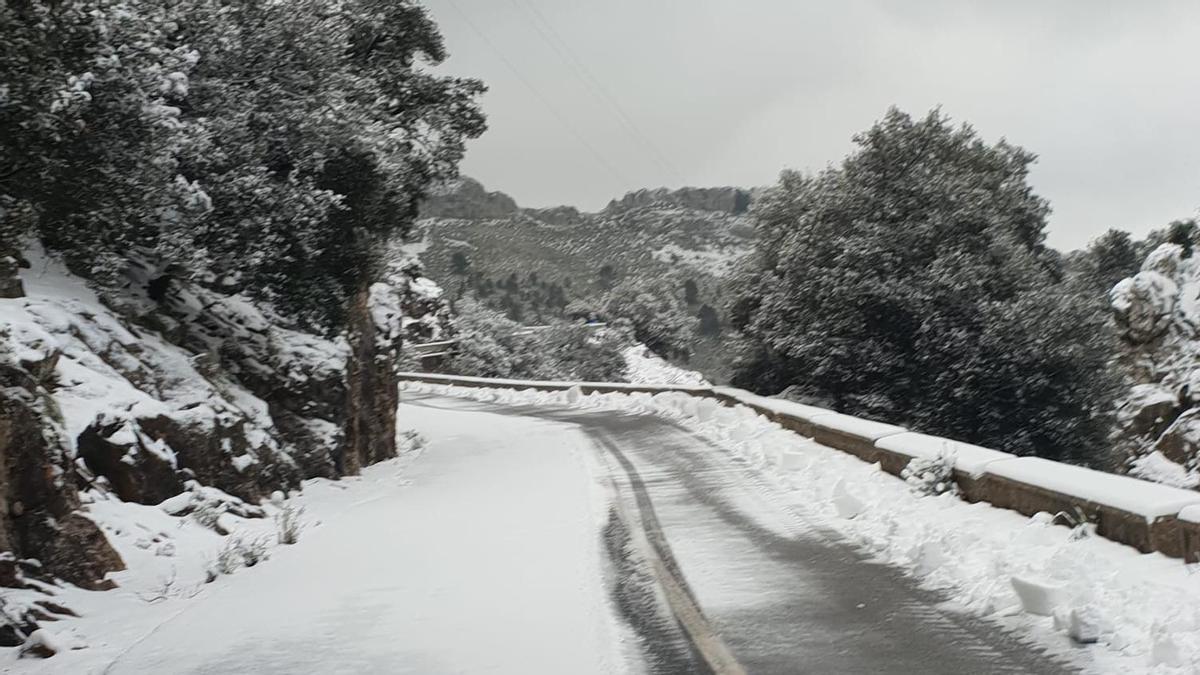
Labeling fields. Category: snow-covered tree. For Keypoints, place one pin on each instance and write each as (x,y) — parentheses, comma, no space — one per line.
(911,284)
(89,129)
(660,320)
(256,146)
(491,345)
(317,129)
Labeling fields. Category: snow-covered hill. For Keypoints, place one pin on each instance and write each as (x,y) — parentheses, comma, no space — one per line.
(696,232)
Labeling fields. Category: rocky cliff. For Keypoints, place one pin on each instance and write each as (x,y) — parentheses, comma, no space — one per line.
(466,198)
(734,201)
(167,392)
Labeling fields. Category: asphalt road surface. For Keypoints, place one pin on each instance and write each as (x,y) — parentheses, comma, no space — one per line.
(717,576)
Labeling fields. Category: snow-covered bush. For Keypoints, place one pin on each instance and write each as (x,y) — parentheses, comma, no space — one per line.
(409,441)
(228,560)
(1082,525)
(931,476)
(288,524)
(236,552)
(253,550)
(208,513)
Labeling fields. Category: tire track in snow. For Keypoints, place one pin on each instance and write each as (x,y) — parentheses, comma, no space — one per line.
(647,535)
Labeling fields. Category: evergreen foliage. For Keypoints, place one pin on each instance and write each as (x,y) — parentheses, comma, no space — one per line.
(492,345)
(911,284)
(660,320)
(254,146)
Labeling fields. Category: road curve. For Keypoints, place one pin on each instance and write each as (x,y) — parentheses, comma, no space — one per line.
(768,591)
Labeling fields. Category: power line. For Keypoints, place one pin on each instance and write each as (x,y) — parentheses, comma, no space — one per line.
(563,48)
(621,180)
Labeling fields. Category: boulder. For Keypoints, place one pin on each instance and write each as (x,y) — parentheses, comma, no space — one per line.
(1143,306)
(10,282)
(219,448)
(1149,409)
(1180,443)
(39,504)
(135,471)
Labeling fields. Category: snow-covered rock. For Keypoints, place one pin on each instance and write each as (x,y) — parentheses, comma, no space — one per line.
(1157,312)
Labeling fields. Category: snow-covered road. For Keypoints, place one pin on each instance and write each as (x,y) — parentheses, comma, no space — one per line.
(779,595)
(479,556)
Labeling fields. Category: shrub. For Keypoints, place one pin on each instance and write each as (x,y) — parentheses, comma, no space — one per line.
(208,514)
(252,550)
(228,560)
(931,476)
(288,524)
(410,441)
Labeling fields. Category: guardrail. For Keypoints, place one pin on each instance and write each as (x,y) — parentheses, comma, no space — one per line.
(1147,516)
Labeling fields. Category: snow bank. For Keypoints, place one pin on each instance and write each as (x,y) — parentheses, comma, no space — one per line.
(1190,514)
(645,367)
(857,426)
(970,459)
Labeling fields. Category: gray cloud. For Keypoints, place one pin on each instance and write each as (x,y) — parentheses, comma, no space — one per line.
(1106,93)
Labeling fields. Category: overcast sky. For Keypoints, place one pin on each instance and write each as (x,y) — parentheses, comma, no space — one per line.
(589,99)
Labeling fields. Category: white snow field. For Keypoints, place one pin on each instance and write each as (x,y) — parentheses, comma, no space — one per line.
(1143,610)
(442,561)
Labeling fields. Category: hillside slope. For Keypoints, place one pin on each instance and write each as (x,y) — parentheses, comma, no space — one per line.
(483,240)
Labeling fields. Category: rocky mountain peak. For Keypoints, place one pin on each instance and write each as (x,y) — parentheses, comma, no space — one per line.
(466,198)
(721,199)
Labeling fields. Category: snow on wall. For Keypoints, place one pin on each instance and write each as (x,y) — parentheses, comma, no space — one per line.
(971,459)
(1120,492)
(857,426)
(774,405)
